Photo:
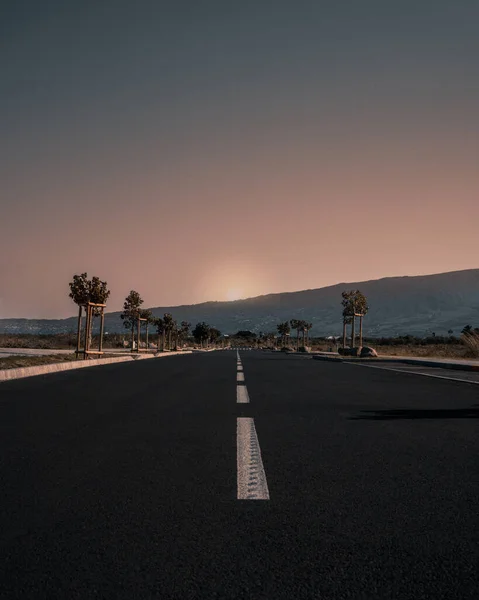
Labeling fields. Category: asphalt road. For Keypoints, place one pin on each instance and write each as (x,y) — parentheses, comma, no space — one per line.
(121,482)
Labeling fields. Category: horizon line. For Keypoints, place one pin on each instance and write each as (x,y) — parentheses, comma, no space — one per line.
(255,297)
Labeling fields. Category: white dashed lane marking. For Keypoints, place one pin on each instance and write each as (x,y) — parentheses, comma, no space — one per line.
(242,396)
(252,484)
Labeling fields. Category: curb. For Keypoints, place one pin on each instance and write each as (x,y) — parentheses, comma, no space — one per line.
(404,361)
(22,372)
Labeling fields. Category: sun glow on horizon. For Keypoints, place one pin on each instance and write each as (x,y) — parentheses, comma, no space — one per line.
(234,294)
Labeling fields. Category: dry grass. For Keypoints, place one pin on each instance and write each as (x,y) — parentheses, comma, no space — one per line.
(16,362)
(457,351)
(471,342)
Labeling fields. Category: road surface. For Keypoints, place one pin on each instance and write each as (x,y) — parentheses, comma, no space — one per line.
(271,477)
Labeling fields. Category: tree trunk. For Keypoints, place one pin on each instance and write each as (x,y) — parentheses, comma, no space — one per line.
(361,330)
(297,340)
(87,331)
(352,331)
(132,334)
(147,335)
(138,332)
(90,333)
(344,333)
(79,331)
(102,328)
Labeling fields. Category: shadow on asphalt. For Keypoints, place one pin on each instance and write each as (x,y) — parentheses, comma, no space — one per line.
(410,413)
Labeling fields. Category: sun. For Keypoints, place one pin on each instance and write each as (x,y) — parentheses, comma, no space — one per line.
(234,294)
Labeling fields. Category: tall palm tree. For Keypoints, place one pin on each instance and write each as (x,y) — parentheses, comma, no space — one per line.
(283,330)
(298,325)
(184,330)
(176,334)
(307,328)
(160,330)
(169,326)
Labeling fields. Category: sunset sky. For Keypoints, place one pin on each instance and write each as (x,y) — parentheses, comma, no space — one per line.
(209,150)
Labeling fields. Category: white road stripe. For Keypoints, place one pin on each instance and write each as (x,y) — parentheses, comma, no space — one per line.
(416,373)
(242,396)
(239,376)
(252,484)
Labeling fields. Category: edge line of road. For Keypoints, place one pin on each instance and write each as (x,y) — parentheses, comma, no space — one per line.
(413,373)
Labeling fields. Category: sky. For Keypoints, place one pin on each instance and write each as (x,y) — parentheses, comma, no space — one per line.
(213,150)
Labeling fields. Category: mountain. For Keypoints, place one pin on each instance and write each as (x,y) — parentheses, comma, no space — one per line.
(416,305)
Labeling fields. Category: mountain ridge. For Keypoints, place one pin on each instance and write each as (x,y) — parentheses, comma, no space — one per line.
(413,304)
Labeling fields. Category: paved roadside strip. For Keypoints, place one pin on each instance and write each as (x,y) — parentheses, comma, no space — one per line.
(251,477)
(440,363)
(9,374)
(414,370)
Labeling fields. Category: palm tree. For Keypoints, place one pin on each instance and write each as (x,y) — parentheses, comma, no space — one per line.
(298,325)
(307,328)
(160,330)
(283,330)
(303,333)
(184,330)
(176,333)
(169,326)
(295,325)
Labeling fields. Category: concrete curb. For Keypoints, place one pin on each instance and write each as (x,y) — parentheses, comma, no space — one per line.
(404,361)
(10,374)
(327,358)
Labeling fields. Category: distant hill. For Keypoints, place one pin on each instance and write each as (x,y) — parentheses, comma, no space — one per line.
(398,305)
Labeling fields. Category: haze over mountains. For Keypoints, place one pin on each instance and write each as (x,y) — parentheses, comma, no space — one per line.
(417,305)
